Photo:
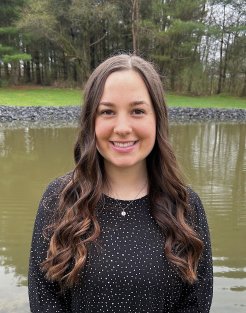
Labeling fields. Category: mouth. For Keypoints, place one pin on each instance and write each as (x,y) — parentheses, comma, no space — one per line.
(123,144)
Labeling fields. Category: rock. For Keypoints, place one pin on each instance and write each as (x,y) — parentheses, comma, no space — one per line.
(70,115)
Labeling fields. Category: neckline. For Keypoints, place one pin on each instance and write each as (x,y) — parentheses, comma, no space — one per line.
(125,201)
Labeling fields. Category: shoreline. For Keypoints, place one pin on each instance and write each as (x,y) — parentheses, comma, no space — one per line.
(68,116)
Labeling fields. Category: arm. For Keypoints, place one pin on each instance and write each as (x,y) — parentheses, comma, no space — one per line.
(44,296)
(197,298)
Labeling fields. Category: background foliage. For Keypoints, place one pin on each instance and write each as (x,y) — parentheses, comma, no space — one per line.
(199,46)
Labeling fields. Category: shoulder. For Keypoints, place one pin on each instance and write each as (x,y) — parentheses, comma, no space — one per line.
(198,214)
(51,195)
(56,186)
(193,198)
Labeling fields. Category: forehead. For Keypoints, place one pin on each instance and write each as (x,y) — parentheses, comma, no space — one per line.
(124,73)
(124,81)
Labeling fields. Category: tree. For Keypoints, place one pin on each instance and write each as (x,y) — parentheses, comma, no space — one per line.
(175,29)
(12,53)
(226,25)
(74,27)
(198,45)
(135,26)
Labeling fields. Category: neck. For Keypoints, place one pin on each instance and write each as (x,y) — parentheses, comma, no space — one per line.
(126,183)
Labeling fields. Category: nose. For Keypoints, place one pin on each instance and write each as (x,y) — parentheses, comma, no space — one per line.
(122,125)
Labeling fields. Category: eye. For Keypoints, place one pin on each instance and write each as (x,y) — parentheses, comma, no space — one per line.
(138,111)
(106,112)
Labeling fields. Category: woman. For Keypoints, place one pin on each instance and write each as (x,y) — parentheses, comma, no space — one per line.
(122,232)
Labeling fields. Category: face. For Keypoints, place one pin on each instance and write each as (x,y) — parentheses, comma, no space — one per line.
(125,124)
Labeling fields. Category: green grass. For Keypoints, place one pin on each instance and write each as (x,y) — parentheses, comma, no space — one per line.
(217,101)
(46,96)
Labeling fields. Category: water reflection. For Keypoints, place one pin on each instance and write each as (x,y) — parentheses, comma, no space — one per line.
(29,159)
(213,157)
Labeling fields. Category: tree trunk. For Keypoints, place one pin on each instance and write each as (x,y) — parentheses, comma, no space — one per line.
(135,21)
(92,52)
(32,71)
(219,89)
(226,61)
(53,66)
(6,70)
(64,67)
(27,72)
(172,79)
(37,67)
(14,73)
(243,92)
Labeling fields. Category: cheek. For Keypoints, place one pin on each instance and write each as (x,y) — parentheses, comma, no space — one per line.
(102,131)
(148,131)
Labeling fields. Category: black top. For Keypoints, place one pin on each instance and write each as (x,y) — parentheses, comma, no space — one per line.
(127,271)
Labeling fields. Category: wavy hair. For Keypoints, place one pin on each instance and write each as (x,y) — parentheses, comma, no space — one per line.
(77,226)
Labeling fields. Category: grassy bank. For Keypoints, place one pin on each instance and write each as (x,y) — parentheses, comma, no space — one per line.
(26,96)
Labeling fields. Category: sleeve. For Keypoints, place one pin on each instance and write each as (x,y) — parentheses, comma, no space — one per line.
(44,296)
(197,298)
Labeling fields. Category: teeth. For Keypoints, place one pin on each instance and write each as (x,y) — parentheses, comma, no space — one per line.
(123,144)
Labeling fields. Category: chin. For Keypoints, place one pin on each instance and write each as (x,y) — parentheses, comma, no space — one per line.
(125,164)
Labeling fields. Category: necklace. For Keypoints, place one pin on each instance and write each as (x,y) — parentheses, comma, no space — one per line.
(123,212)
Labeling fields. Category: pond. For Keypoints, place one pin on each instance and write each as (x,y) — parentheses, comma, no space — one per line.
(213,156)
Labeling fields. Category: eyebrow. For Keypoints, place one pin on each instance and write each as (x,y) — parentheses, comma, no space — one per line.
(134,103)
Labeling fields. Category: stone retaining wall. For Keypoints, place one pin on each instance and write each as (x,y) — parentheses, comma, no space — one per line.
(70,114)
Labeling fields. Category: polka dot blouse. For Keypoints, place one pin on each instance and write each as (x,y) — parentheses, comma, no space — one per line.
(128,271)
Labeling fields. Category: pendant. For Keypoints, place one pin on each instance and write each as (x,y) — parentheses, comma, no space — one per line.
(123,213)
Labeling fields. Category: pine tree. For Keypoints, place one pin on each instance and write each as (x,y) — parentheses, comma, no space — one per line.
(11,41)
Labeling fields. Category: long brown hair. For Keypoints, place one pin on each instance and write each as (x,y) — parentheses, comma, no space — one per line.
(76,226)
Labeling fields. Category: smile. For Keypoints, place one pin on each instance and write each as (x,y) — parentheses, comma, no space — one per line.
(123,144)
